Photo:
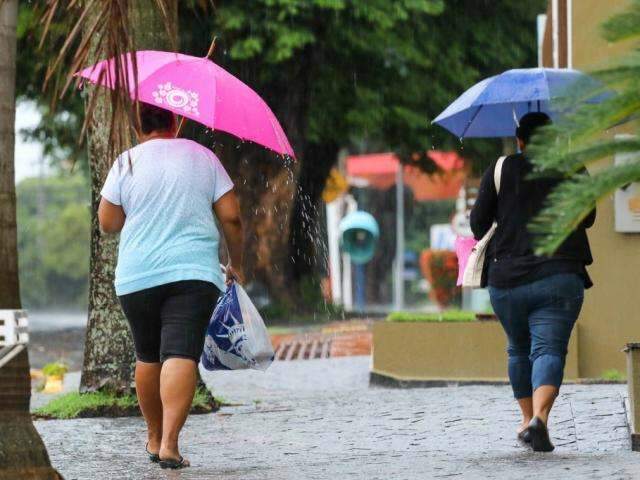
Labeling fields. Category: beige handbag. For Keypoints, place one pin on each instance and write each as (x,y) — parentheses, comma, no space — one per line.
(472,276)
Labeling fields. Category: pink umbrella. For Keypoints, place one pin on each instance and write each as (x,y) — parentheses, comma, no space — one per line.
(198,89)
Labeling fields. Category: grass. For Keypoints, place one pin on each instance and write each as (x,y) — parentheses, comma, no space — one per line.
(446,316)
(105,404)
(76,405)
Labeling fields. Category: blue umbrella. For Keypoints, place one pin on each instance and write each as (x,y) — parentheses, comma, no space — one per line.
(493,107)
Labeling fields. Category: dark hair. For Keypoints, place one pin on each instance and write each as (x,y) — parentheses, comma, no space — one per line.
(153,119)
(529,123)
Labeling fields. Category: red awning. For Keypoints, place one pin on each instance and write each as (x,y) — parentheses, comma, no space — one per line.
(380,170)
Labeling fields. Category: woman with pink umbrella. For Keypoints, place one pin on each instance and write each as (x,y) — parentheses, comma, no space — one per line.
(164,196)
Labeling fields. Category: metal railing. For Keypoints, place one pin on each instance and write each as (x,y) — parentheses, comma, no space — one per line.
(14,327)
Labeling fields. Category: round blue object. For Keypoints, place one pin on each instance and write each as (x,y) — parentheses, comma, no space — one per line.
(359,233)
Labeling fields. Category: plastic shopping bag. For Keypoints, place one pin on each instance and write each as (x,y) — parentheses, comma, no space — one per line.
(236,337)
(464,246)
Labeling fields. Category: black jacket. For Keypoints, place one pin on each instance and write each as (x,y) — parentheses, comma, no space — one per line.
(510,260)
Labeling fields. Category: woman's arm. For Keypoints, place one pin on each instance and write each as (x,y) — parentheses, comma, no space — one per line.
(110,216)
(227,211)
(483,213)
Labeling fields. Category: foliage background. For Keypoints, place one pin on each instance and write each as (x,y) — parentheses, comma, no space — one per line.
(342,76)
(53,241)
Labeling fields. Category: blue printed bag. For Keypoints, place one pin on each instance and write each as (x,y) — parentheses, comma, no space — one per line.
(236,337)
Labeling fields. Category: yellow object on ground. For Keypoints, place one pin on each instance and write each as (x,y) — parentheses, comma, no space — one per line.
(53,384)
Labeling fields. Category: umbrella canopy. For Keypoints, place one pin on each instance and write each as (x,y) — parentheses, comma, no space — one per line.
(492,107)
(198,89)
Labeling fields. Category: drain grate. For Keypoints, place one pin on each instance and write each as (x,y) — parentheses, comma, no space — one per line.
(304,349)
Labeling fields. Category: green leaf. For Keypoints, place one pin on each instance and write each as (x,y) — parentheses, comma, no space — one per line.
(624,26)
(247,48)
(573,200)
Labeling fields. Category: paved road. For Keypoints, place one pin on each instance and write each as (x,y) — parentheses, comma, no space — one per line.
(318,419)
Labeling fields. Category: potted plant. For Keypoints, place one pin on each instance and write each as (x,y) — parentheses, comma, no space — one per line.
(54,376)
(440,268)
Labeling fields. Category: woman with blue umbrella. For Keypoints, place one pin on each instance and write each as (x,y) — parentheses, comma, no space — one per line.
(537,299)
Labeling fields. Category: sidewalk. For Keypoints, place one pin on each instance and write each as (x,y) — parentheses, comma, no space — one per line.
(318,419)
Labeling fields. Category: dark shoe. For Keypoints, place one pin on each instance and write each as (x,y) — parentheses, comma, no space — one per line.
(540,441)
(174,464)
(154,457)
(524,436)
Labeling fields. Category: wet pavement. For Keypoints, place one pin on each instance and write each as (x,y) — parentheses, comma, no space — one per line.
(318,419)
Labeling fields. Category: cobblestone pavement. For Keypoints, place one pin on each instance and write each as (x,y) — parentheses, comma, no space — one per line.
(318,419)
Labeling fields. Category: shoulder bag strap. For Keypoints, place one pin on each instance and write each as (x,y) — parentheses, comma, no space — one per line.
(497,173)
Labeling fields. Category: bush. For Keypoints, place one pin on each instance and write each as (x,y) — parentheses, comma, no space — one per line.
(440,268)
(54,369)
(275,311)
(446,316)
(281,313)
(613,375)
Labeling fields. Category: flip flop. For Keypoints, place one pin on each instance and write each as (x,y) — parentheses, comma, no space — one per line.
(174,464)
(154,457)
(525,436)
(540,441)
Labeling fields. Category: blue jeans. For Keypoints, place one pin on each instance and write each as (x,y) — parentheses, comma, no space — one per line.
(538,318)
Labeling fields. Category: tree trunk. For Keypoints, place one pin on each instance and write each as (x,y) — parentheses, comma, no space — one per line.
(9,286)
(108,355)
(22,453)
(23,456)
(280,205)
(265,188)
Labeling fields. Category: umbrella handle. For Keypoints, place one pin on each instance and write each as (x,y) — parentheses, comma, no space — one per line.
(180,125)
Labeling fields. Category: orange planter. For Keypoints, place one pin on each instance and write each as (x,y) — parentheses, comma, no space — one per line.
(440,268)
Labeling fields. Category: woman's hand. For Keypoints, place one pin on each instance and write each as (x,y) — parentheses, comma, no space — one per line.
(234,275)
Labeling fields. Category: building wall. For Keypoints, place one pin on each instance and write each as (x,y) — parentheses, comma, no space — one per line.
(611,314)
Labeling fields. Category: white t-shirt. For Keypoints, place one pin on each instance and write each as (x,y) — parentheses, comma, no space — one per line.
(169,233)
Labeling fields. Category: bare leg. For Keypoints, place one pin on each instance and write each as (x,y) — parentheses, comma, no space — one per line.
(148,391)
(177,387)
(543,399)
(526,406)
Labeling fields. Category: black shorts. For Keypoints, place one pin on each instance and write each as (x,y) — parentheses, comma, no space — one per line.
(170,320)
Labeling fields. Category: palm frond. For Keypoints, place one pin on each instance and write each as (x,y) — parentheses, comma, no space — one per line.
(573,200)
(624,26)
(569,157)
(102,30)
(578,140)
(621,73)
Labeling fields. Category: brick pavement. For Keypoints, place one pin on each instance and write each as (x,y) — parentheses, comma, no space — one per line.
(318,419)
